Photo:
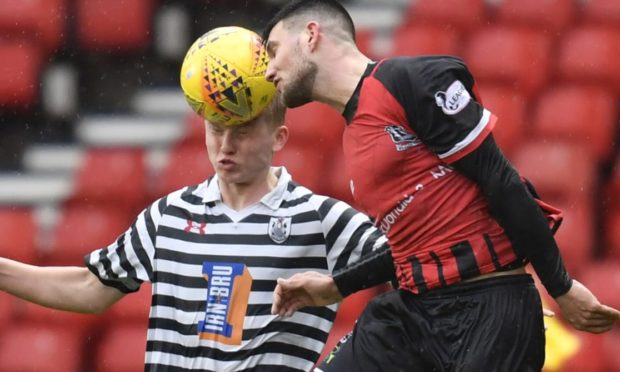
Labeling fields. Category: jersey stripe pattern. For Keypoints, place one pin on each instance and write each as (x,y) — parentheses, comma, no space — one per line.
(407,121)
(214,270)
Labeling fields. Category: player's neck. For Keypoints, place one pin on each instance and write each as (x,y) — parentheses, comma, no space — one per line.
(339,77)
(238,196)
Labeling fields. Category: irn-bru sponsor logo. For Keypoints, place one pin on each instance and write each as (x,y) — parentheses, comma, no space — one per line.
(228,291)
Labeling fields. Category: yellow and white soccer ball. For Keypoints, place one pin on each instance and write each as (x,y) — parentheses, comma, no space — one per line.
(223,76)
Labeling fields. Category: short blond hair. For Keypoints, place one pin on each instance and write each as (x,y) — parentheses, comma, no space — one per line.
(275,112)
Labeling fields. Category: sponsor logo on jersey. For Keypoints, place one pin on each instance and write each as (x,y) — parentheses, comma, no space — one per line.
(279,229)
(454,99)
(195,227)
(228,292)
(401,138)
(391,217)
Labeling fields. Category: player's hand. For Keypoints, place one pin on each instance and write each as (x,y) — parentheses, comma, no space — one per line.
(309,288)
(584,312)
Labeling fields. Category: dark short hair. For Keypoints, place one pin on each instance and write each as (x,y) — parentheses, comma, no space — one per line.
(330,8)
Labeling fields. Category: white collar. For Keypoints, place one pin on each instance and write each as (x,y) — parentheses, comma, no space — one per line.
(210,189)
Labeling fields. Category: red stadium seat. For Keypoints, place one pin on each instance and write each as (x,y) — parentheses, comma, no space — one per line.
(552,16)
(576,235)
(613,186)
(425,39)
(315,124)
(337,182)
(134,307)
(122,348)
(19,73)
(603,279)
(510,108)
(582,114)
(194,130)
(602,11)
(558,169)
(307,164)
(610,344)
(612,234)
(82,229)
(587,54)
(114,25)
(590,355)
(364,39)
(7,309)
(187,165)
(40,20)
(31,313)
(39,347)
(18,232)
(112,176)
(460,15)
(517,57)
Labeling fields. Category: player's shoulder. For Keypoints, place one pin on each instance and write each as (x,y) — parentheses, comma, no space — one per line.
(420,68)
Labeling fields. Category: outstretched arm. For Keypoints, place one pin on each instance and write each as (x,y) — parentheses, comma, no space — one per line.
(517,212)
(65,288)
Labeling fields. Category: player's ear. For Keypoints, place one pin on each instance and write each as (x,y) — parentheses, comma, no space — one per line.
(280,137)
(311,34)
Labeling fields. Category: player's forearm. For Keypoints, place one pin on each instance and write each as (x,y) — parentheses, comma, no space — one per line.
(518,213)
(64,288)
(372,269)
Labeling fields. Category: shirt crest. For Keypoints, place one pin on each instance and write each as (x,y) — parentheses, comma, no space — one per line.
(280,229)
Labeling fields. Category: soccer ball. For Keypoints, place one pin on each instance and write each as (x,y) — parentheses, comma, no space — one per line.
(223,76)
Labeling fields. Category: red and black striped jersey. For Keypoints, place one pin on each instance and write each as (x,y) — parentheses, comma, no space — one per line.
(407,121)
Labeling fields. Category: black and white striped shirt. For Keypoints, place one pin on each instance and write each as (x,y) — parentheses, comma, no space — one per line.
(214,269)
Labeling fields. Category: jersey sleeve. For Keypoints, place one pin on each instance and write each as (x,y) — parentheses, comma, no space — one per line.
(438,97)
(349,234)
(128,262)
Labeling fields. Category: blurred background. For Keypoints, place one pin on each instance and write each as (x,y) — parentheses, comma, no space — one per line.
(93,127)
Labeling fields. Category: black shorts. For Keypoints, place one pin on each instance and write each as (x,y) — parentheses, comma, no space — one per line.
(493,324)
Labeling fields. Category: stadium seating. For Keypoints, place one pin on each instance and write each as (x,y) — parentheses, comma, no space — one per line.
(112,176)
(424,39)
(18,231)
(133,308)
(510,107)
(7,309)
(580,114)
(82,229)
(602,11)
(587,54)
(316,124)
(603,279)
(114,25)
(609,347)
(612,236)
(552,16)
(121,348)
(39,347)
(19,73)
(29,313)
(589,357)
(307,167)
(558,169)
(187,165)
(575,237)
(517,57)
(461,15)
(43,21)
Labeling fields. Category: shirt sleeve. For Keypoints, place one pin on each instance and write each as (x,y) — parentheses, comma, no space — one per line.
(438,97)
(128,262)
(349,234)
